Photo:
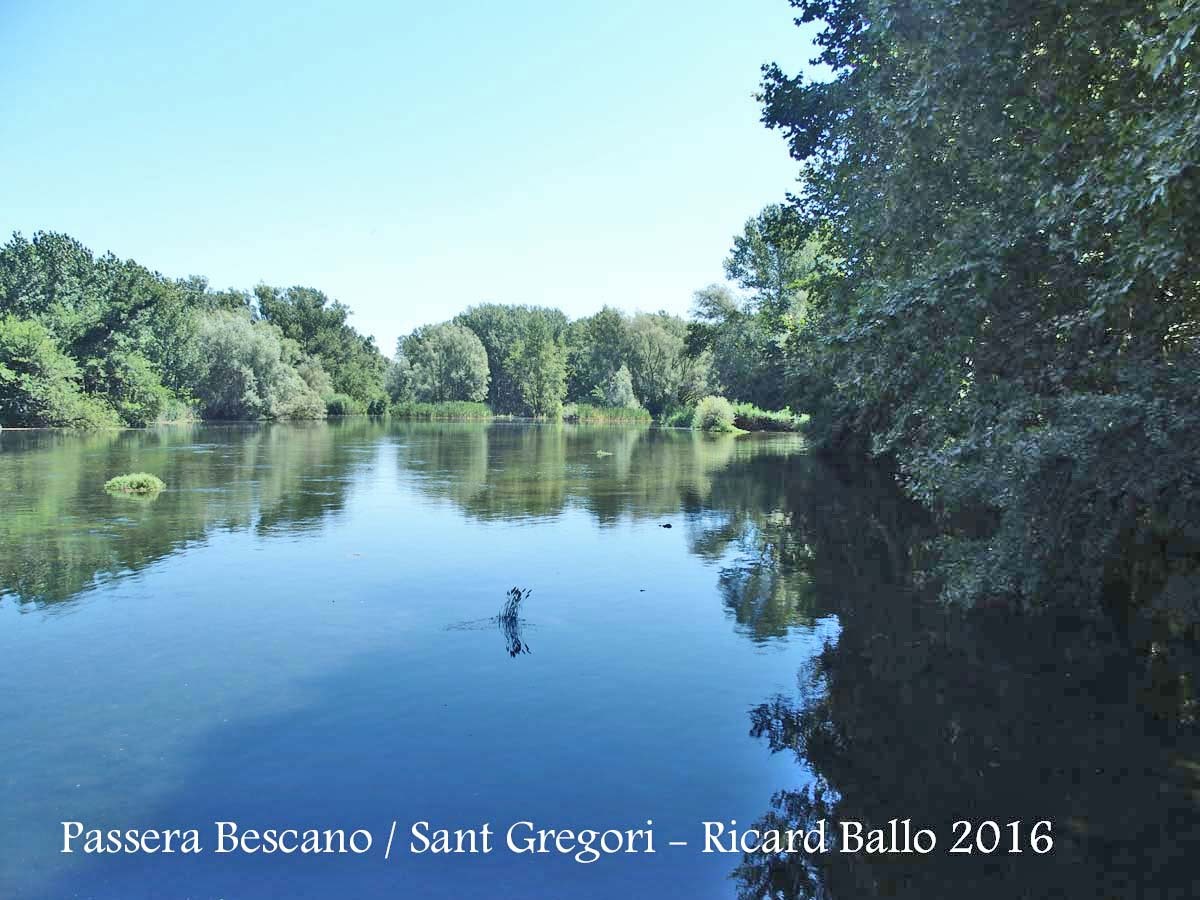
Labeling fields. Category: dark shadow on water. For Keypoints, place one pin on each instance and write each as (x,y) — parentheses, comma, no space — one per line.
(936,715)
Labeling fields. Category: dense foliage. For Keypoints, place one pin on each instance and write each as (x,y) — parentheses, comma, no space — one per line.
(1007,296)
(440,362)
(713,414)
(95,341)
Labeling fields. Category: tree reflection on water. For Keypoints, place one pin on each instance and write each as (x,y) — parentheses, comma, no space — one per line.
(920,712)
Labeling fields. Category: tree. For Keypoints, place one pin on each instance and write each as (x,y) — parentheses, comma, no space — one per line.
(40,385)
(597,349)
(656,359)
(243,373)
(771,258)
(503,329)
(319,325)
(537,364)
(445,362)
(1014,314)
(616,390)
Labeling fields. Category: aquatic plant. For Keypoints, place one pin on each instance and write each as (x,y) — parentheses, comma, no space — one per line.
(134,483)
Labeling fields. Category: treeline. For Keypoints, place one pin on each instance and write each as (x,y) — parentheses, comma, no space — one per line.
(530,361)
(95,341)
(1006,298)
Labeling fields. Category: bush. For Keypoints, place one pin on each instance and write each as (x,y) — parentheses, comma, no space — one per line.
(714,414)
(344,405)
(450,409)
(678,417)
(585,412)
(749,417)
(135,483)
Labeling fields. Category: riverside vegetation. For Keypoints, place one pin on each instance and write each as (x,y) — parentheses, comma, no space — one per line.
(988,281)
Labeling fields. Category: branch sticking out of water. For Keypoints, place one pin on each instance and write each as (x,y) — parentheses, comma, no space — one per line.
(512,607)
(510,622)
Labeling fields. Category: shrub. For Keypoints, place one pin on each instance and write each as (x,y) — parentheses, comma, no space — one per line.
(134,483)
(344,405)
(177,410)
(678,417)
(749,417)
(714,414)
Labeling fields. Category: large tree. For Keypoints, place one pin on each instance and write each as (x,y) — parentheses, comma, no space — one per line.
(444,362)
(504,330)
(1009,192)
(321,327)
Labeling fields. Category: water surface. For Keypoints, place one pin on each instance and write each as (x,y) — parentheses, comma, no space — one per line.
(299,633)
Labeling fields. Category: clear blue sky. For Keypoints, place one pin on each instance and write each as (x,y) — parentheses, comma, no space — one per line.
(409,159)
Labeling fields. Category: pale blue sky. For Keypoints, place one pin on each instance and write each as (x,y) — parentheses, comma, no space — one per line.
(409,159)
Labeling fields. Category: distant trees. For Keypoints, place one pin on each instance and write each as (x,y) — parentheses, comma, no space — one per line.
(616,390)
(95,340)
(441,362)
(515,338)
(657,359)
(319,325)
(537,365)
(748,336)
(597,347)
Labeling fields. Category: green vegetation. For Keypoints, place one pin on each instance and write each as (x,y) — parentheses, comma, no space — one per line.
(586,412)
(135,483)
(749,417)
(438,363)
(992,281)
(449,409)
(92,341)
(714,414)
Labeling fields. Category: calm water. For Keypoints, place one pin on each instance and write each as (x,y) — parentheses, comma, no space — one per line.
(299,633)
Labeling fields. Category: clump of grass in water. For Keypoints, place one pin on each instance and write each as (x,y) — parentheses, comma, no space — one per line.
(135,483)
(510,622)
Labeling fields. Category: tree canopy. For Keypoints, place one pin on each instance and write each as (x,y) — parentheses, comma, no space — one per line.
(1008,302)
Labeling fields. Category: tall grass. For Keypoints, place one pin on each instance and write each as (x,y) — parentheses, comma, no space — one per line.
(344,405)
(449,409)
(586,412)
